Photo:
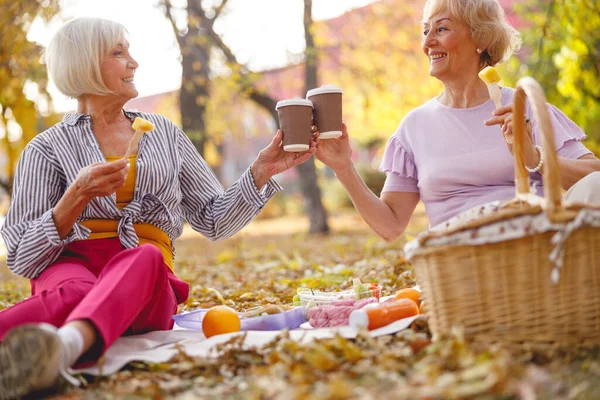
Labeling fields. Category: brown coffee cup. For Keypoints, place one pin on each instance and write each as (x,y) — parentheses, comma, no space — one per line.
(295,120)
(327,113)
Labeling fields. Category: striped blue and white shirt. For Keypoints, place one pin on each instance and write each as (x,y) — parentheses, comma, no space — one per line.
(173,183)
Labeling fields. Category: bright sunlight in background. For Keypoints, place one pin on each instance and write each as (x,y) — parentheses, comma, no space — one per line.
(262,34)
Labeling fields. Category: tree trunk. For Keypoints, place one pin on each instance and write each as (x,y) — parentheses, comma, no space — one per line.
(195,81)
(193,106)
(308,176)
(307,171)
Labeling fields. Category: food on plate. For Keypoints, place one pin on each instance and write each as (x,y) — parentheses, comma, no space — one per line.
(309,298)
(364,290)
(336,313)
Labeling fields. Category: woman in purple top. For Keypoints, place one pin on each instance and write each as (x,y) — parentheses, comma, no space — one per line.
(455,151)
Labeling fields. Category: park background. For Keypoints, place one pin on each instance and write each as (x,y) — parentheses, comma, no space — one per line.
(217,69)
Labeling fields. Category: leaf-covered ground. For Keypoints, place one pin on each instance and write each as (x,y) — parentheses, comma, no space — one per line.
(265,264)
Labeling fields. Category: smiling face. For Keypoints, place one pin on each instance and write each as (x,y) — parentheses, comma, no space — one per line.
(451,51)
(118,68)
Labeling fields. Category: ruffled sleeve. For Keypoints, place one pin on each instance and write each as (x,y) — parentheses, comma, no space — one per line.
(400,168)
(567,135)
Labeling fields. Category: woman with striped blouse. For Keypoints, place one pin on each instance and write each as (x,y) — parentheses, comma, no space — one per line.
(94,230)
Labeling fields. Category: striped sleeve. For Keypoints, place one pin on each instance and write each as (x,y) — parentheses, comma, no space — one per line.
(210,210)
(32,241)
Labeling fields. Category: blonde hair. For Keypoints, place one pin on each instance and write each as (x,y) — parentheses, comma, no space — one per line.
(490,31)
(76,52)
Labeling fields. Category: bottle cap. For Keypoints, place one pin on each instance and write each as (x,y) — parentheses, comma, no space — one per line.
(359,319)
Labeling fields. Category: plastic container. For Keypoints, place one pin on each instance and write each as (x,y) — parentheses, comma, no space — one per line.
(375,316)
(310,298)
(291,319)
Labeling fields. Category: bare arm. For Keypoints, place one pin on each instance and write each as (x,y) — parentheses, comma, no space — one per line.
(572,170)
(389,215)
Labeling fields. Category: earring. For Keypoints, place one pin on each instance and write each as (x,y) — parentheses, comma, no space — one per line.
(479,51)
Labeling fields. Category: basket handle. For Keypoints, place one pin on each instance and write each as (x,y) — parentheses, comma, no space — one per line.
(529,87)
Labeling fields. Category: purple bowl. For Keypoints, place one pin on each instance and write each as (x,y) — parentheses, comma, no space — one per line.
(291,319)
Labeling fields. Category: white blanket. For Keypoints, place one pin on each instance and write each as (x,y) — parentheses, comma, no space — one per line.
(159,346)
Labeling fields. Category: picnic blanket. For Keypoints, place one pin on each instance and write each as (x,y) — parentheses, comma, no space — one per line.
(161,346)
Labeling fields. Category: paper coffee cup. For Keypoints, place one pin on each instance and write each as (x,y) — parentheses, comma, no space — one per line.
(295,121)
(327,113)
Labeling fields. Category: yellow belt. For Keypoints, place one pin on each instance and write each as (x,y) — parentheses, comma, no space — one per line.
(147,233)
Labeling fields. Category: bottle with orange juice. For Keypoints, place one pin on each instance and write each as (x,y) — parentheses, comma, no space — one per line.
(382,314)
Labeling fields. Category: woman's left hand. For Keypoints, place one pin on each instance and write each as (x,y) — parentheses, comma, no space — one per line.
(503,116)
(273,160)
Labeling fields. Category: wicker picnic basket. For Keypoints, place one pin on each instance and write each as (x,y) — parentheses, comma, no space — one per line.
(538,284)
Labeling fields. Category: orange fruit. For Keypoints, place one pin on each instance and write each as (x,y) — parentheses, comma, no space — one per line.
(422,308)
(409,293)
(219,320)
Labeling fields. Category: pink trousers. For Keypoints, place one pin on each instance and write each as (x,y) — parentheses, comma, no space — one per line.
(119,291)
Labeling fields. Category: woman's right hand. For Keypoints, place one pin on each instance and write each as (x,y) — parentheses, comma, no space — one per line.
(335,153)
(101,179)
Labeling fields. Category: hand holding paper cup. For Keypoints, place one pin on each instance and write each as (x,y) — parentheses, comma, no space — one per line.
(295,123)
(327,113)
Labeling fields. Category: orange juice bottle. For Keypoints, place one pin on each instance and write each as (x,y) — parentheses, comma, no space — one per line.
(378,315)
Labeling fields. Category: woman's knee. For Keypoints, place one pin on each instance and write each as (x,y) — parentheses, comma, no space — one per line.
(594,176)
(586,190)
(149,260)
(152,254)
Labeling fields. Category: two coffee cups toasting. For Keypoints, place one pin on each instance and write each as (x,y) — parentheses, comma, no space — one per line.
(322,107)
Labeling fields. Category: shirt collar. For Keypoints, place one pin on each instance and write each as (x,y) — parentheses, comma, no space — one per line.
(72,118)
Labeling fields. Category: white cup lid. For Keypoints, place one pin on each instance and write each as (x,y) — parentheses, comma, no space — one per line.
(294,102)
(324,89)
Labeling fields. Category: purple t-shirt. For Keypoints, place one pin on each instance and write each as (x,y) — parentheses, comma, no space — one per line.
(455,162)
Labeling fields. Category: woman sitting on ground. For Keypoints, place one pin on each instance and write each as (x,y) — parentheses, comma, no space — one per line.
(447,152)
(94,230)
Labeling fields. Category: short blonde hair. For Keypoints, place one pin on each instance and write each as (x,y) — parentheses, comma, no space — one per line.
(76,52)
(486,20)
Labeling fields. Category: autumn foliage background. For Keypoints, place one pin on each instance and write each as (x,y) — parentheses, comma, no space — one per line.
(384,75)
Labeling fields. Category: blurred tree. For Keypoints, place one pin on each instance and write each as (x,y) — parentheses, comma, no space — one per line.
(19,66)
(382,68)
(197,48)
(562,51)
(308,185)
